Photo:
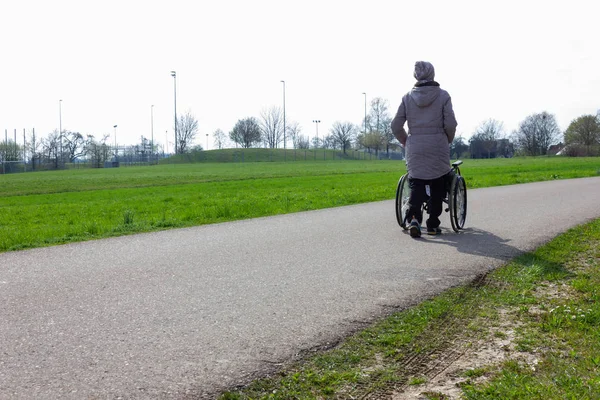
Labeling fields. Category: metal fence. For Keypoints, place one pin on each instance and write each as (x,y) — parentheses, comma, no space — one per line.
(220,156)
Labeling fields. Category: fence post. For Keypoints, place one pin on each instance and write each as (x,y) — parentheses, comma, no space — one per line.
(5,148)
(24,155)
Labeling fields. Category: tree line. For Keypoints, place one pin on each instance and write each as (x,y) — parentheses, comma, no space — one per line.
(56,149)
(374,134)
(537,135)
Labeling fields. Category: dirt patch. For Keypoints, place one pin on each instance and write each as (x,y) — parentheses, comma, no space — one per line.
(550,290)
(476,359)
(479,359)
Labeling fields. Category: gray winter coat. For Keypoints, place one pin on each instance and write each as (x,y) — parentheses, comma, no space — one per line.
(431,127)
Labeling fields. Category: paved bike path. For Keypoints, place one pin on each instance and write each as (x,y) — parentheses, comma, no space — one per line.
(185,313)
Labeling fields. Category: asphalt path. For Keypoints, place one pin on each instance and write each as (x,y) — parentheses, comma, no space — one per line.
(186,313)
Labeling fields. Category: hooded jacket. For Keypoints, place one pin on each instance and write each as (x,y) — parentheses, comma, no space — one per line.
(427,109)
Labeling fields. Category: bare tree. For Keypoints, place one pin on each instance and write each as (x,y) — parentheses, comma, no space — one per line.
(380,120)
(343,133)
(10,151)
(490,129)
(328,142)
(51,148)
(246,132)
(187,129)
(220,138)
(294,131)
(316,142)
(271,125)
(537,133)
(97,152)
(302,142)
(379,114)
(584,131)
(73,145)
(390,140)
(34,147)
(458,147)
(367,125)
(486,137)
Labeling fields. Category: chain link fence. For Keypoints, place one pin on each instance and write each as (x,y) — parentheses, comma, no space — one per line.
(14,160)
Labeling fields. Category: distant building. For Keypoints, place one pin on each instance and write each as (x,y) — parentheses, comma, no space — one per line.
(501,148)
(556,149)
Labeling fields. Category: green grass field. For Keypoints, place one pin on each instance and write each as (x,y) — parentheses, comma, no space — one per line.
(45,208)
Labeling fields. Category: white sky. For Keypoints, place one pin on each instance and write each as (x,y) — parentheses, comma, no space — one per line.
(110,60)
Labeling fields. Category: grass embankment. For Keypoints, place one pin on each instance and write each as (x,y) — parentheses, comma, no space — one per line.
(267,155)
(45,208)
(528,330)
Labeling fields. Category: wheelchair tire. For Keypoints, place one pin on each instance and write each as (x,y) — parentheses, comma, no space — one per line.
(402,197)
(458,203)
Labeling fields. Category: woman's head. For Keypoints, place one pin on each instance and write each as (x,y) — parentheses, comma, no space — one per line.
(424,71)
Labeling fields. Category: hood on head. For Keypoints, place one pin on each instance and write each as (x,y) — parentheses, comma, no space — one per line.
(425,95)
(424,71)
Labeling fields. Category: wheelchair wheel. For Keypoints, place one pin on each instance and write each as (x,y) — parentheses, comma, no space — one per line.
(402,197)
(458,203)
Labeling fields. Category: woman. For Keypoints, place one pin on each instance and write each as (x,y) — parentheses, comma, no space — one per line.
(427,109)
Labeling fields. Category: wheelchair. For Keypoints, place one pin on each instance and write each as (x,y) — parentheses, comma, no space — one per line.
(455,199)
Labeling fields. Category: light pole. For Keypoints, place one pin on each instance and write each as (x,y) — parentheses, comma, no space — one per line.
(207,141)
(365,112)
(316,121)
(174,75)
(283,116)
(116,150)
(152,129)
(60,126)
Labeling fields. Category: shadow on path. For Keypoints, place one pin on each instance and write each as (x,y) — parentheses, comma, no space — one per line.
(477,242)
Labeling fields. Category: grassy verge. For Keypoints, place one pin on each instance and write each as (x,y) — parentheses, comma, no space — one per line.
(46,208)
(528,330)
